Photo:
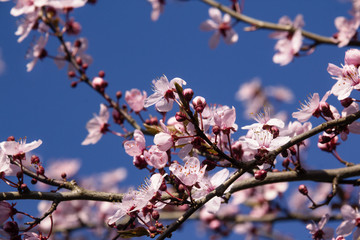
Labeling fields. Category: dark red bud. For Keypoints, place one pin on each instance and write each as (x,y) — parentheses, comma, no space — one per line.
(188,94)
(155,215)
(10,138)
(260,174)
(346,102)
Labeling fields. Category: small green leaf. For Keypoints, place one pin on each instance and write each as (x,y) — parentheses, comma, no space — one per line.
(136,232)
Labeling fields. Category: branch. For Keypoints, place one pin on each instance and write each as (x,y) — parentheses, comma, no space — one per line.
(79,194)
(243,218)
(326,175)
(273,26)
(219,191)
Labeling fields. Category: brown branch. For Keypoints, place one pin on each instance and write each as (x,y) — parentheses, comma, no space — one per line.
(273,26)
(80,194)
(84,78)
(326,175)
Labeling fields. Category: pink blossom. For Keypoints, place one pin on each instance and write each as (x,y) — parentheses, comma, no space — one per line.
(354,127)
(37,52)
(31,236)
(289,44)
(4,163)
(310,108)
(280,93)
(23,7)
(68,166)
(97,126)
(347,79)
(60,4)
(208,185)
(157,8)
(264,139)
(346,29)
(14,148)
(190,173)
(225,117)
(263,118)
(6,210)
(222,27)
(164,94)
(351,218)
(155,157)
(137,146)
(163,140)
(272,190)
(135,99)
(352,57)
(135,200)
(318,231)
(26,24)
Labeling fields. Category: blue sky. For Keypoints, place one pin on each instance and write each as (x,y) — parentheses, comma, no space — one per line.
(133,51)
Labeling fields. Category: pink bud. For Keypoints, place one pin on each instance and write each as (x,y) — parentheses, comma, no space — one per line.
(199,104)
(188,94)
(303,189)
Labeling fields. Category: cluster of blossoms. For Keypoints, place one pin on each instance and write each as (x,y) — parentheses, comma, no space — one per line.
(198,139)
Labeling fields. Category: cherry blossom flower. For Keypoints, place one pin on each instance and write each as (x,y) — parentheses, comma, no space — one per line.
(352,57)
(97,126)
(224,117)
(14,147)
(347,79)
(163,140)
(137,146)
(347,29)
(68,166)
(135,99)
(264,139)
(280,93)
(190,173)
(23,7)
(310,108)
(263,118)
(4,163)
(164,94)
(351,218)
(37,52)
(157,8)
(6,210)
(155,157)
(33,236)
(222,27)
(26,24)
(289,44)
(208,185)
(318,231)
(135,200)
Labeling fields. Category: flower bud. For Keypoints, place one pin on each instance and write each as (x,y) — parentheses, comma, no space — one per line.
(199,104)
(11,228)
(180,117)
(216,130)
(10,138)
(188,94)
(303,189)
(35,159)
(346,102)
(155,215)
(71,74)
(260,174)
